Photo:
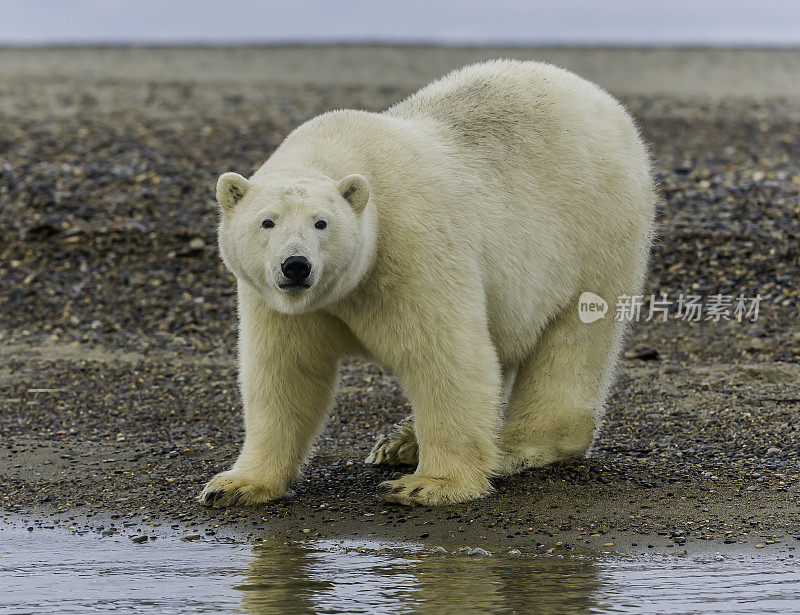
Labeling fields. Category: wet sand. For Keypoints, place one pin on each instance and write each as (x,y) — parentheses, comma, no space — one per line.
(118,391)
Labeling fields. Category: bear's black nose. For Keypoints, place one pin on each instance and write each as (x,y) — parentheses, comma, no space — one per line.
(296,268)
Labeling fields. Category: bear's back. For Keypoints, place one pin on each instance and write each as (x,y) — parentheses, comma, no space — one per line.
(511,102)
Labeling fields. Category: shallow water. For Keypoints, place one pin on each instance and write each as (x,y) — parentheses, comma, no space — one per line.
(56,571)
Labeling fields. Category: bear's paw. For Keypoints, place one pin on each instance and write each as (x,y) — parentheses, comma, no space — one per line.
(515,460)
(231,488)
(418,489)
(398,448)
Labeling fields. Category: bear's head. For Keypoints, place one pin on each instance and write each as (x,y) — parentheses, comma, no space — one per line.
(301,241)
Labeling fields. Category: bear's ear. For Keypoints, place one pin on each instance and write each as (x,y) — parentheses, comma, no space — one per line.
(355,190)
(231,188)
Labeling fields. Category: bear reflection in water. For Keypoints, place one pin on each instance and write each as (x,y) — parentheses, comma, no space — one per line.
(330,577)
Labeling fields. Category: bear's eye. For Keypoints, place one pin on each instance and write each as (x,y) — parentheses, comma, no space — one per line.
(320,225)
(267,223)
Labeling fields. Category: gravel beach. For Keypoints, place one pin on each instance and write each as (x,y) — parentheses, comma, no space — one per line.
(118,395)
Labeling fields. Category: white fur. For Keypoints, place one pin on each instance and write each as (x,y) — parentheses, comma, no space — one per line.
(496,196)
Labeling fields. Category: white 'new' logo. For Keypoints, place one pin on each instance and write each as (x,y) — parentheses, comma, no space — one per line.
(591,307)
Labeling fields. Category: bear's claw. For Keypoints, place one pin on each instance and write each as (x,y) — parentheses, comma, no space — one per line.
(210,498)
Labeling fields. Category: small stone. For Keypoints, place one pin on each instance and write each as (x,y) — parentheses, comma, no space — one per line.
(139,539)
(759,546)
(480,552)
(439,551)
(191,537)
(515,552)
(197,244)
(643,354)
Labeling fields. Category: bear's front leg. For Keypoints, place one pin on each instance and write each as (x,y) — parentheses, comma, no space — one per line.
(288,369)
(453,382)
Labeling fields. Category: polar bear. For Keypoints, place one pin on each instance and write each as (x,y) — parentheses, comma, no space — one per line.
(448,238)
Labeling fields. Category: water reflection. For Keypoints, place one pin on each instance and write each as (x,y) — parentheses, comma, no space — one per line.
(54,571)
(325,578)
(462,584)
(331,577)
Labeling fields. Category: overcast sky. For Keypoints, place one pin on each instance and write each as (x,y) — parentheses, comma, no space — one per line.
(693,22)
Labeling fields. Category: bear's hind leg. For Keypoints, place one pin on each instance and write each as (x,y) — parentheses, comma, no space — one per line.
(560,391)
